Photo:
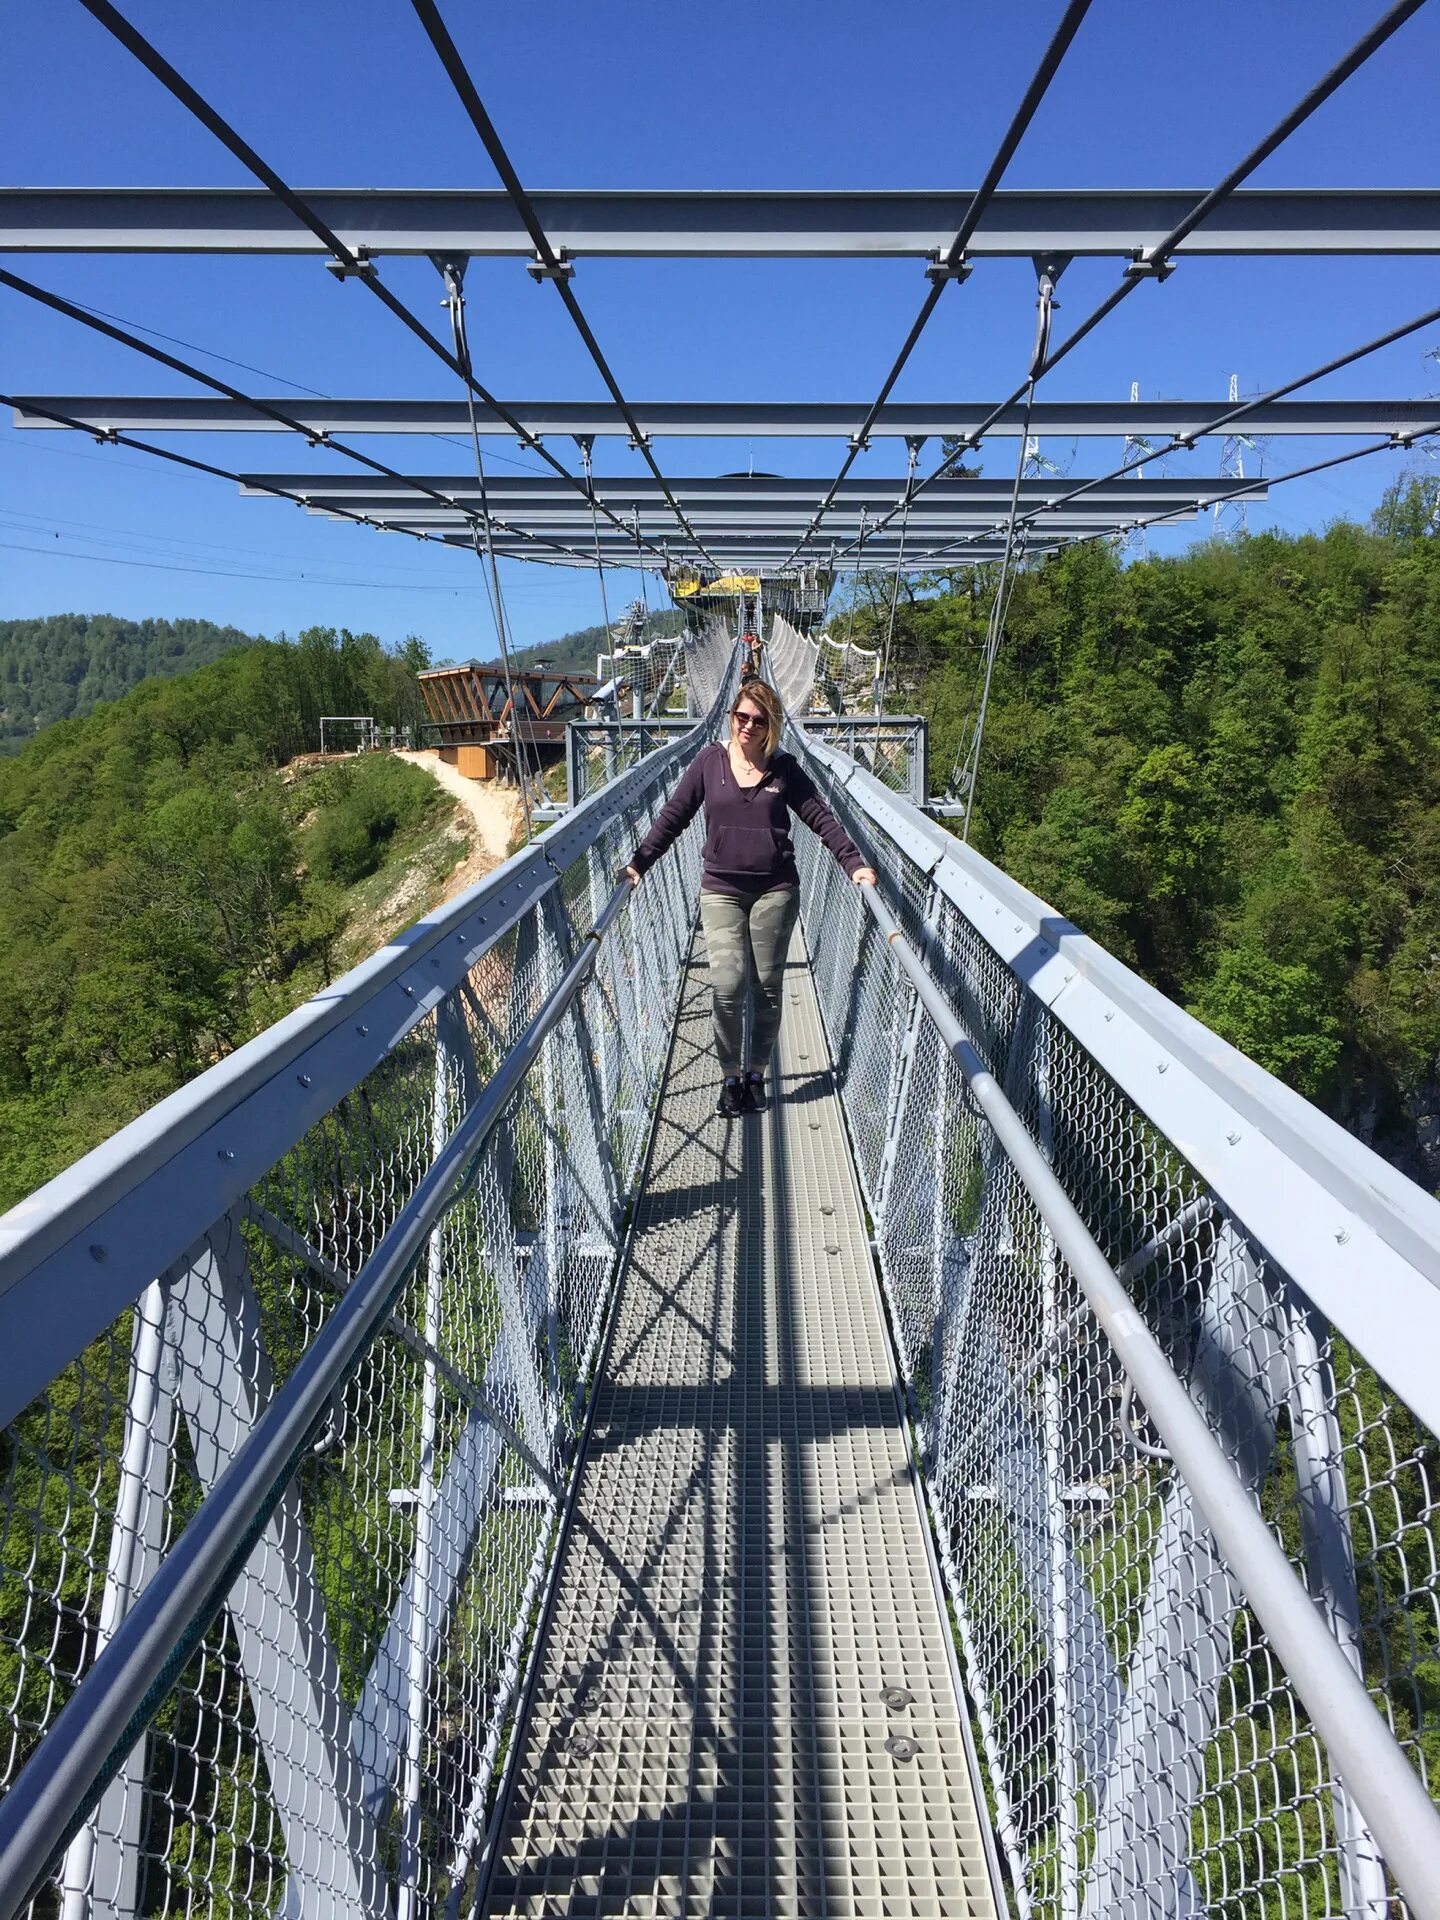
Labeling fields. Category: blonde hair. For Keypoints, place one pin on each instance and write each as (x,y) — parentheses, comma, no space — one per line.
(768,701)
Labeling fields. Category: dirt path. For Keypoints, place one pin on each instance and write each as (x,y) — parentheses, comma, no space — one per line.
(494,809)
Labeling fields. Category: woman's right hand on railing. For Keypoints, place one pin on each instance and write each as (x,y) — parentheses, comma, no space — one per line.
(633,875)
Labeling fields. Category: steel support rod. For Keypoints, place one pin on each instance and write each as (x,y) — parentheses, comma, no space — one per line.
(1155,263)
(951,264)
(549,265)
(352,263)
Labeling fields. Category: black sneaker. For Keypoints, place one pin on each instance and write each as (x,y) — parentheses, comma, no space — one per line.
(732,1102)
(755,1093)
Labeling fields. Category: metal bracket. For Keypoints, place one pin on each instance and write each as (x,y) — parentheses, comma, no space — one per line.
(640,445)
(540,268)
(1147,267)
(1050,266)
(938,267)
(857,445)
(361,268)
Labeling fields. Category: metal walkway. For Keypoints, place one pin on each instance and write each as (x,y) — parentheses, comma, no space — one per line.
(744,1702)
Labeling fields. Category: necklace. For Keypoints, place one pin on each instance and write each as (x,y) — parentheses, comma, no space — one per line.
(746,773)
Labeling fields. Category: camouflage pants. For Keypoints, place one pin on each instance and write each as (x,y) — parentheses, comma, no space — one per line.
(746,940)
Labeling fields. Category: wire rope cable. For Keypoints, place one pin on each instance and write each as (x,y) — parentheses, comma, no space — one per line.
(882,683)
(1155,264)
(549,265)
(950,264)
(999,606)
(455,300)
(350,264)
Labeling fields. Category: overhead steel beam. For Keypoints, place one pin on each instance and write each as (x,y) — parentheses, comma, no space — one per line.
(878,225)
(740,551)
(744,526)
(516,492)
(742,420)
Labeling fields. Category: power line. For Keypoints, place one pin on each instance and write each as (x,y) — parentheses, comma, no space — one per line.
(221,573)
(1185,442)
(349,264)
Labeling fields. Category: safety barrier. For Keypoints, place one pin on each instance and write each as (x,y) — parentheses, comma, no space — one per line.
(1169,1344)
(293,1374)
(892,746)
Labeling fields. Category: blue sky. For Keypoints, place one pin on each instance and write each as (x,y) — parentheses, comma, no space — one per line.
(916,95)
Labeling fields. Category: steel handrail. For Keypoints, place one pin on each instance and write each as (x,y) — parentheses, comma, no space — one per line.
(118,1698)
(1366,1753)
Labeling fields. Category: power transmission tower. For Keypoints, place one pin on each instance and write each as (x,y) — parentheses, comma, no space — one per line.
(1229,516)
(1136,445)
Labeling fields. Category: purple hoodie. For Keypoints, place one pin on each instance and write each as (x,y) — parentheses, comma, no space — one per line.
(747,829)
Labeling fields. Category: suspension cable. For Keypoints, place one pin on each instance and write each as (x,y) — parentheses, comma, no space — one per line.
(950,265)
(913,447)
(350,264)
(586,442)
(454,275)
(999,606)
(1156,264)
(549,265)
(264,410)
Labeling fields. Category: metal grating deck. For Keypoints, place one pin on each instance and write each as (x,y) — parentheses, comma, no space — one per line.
(746,1570)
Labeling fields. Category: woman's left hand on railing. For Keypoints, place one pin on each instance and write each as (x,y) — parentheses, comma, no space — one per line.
(864,876)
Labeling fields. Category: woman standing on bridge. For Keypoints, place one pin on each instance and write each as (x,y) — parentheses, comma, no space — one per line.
(749,887)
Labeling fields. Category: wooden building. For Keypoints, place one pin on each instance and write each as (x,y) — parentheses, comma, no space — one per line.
(471,720)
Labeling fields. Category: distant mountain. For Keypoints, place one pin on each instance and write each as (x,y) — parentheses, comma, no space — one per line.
(59,667)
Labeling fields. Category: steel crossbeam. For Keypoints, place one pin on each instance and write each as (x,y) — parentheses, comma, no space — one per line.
(720,419)
(373,221)
(517,491)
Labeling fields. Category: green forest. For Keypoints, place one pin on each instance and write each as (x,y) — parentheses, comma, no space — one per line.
(60,667)
(1223,767)
(172,878)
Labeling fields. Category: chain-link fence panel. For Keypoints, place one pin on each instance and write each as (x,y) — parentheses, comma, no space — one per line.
(330,1742)
(1145,1749)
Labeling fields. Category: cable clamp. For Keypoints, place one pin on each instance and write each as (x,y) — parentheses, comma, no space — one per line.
(939,268)
(641,444)
(857,445)
(317,439)
(540,268)
(360,267)
(1185,442)
(1404,440)
(106,437)
(1147,266)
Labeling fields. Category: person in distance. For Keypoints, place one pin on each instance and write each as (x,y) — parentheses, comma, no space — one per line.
(749,886)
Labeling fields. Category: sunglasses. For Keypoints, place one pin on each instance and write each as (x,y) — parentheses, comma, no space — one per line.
(748,719)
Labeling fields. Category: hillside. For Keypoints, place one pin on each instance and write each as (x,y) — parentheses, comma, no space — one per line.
(1222,766)
(177,870)
(62,666)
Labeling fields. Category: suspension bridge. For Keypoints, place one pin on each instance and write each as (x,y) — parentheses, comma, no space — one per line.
(999,1479)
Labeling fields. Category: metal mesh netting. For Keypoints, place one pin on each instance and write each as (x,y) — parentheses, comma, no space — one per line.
(652,675)
(1145,1750)
(709,656)
(332,1744)
(820,675)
